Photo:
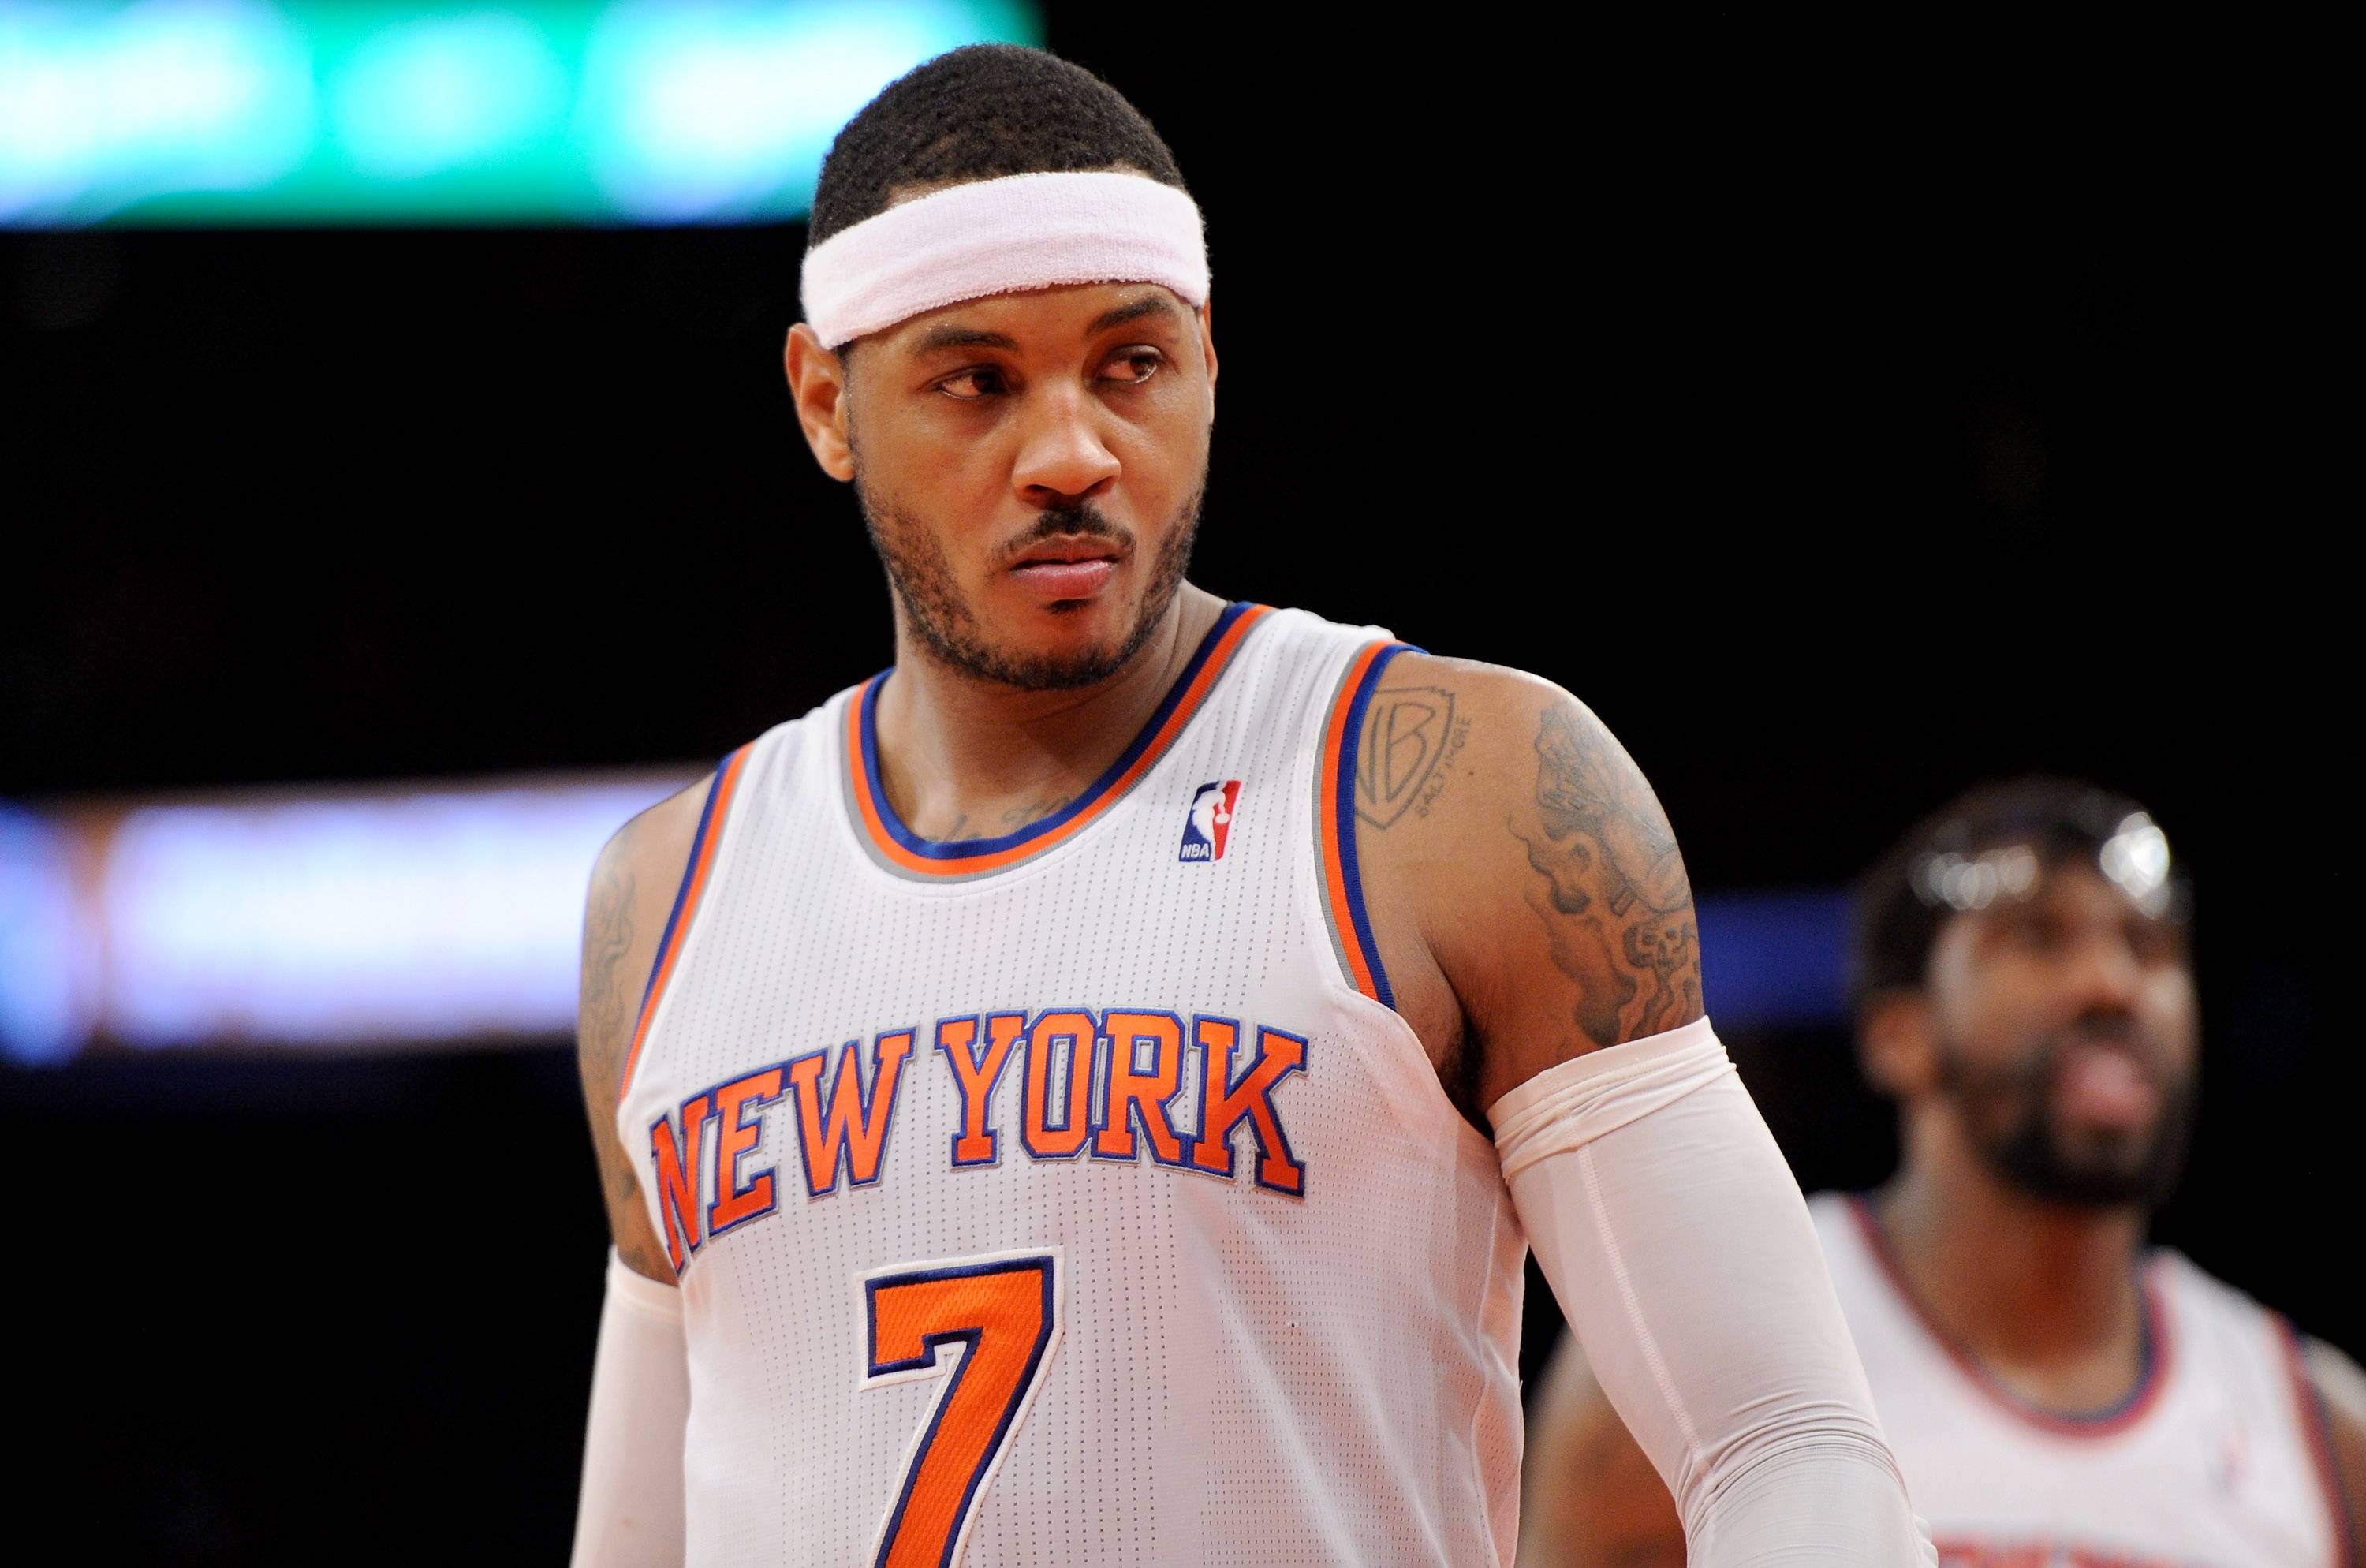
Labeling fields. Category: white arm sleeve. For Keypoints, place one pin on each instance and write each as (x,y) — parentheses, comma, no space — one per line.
(1676,1238)
(629,1513)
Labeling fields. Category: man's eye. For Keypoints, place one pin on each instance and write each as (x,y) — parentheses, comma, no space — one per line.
(2154,941)
(1134,367)
(971,384)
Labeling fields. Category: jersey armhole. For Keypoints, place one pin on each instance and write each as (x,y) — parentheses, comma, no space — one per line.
(694,876)
(2316,1436)
(1344,917)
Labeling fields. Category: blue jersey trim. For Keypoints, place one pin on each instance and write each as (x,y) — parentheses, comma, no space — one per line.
(961,849)
(1343,808)
(2151,1359)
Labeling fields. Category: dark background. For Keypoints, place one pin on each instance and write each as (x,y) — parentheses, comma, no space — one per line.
(1846,419)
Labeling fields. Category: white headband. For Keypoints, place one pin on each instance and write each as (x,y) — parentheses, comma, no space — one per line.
(998,237)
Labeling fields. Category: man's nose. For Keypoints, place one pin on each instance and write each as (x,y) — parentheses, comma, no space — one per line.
(1062,456)
(2107,972)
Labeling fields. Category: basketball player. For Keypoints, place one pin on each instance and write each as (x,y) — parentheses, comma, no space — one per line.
(2060,1395)
(1084,1096)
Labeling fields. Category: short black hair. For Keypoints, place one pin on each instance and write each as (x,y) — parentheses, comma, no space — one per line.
(980,113)
(1934,871)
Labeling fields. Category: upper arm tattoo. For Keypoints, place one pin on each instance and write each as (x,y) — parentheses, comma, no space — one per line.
(605,1020)
(1615,900)
(607,937)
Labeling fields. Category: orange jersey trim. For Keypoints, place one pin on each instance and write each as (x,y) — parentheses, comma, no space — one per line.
(1343,888)
(685,903)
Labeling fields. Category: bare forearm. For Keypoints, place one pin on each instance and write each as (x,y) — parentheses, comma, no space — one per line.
(1589,1498)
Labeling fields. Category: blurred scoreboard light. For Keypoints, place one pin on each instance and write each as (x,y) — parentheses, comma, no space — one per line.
(374,917)
(363,111)
(329,919)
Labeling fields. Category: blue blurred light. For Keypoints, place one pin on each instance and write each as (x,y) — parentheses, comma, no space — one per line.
(432,916)
(1769,960)
(46,957)
(454,913)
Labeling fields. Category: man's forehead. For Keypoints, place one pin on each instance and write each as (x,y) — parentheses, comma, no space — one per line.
(2076,883)
(1057,317)
(2131,861)
(2069,887)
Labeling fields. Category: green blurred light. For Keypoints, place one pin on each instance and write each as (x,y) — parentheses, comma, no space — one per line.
(237,111)
(425,97)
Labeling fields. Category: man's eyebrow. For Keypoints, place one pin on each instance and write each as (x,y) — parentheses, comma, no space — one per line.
(951,335)
(1148,305)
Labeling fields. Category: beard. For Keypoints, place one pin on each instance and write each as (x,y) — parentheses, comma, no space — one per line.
(2009,1113)
(949,626)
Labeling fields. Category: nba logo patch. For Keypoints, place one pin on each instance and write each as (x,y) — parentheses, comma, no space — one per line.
(1211,821)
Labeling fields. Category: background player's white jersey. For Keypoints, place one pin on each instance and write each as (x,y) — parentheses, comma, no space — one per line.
(1073,1196)
(2215,1462)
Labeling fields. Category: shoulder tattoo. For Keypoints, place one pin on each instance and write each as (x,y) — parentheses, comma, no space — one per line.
(1410,737)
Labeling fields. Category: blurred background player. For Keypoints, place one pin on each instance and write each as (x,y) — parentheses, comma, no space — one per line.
(2061,1394)
(1077,1111)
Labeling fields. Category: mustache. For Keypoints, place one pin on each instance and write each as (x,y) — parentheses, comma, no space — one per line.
(2115,1024)
(2033,1073)
(2110,1026)
(1083,519)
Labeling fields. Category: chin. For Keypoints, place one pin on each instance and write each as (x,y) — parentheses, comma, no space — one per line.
(1059,653)
(2093,1167)
(1063,628)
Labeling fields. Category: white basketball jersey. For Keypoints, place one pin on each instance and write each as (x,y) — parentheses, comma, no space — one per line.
(2217,1460)
(1075,1196)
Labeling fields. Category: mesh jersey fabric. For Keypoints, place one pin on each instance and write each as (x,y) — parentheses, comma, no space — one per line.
(1294,1343)
(2210,1463)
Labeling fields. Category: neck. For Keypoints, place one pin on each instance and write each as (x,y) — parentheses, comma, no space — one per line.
(962,758)
(2043,1294)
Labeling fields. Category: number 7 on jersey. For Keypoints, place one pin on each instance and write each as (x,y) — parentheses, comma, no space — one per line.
(1004,1310)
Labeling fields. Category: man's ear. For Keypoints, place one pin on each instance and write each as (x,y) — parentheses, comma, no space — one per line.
(1896,1040)
(817,386)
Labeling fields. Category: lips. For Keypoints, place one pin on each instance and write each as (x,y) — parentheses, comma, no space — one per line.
(2104,1086)
(1076,567)
(1067,550)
